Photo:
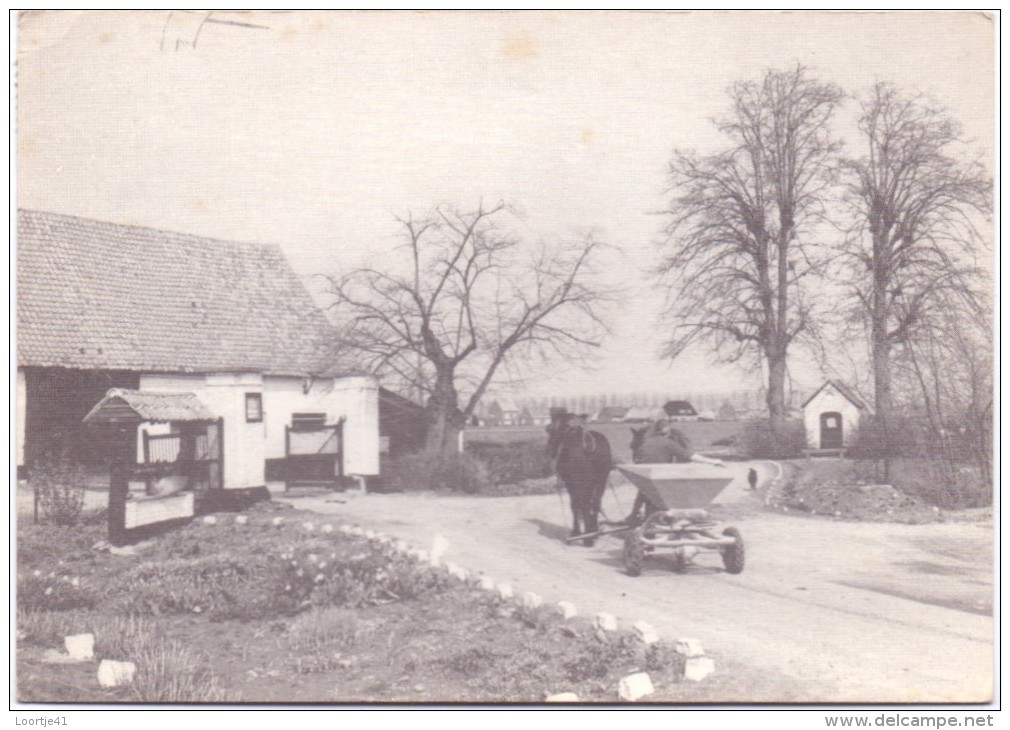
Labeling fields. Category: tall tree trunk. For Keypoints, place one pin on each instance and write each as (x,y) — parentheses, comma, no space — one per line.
(780,339)
(880,347)
(776,397)
(445,420)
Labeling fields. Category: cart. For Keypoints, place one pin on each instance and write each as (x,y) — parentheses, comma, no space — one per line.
(674,519)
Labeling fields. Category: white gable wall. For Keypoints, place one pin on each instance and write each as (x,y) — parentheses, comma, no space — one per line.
(224,395)
(826,401)
(355,398)
(248,445)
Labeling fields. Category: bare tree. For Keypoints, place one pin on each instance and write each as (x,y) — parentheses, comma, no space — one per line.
(464,299)
(914,246)
(740,238)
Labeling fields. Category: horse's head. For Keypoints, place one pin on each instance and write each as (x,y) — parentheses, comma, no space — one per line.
(564,427)
(637,439)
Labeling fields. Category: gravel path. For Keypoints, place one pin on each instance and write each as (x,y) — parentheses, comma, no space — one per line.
(826,611)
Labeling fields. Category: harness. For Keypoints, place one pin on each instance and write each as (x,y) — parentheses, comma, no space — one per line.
(589,444)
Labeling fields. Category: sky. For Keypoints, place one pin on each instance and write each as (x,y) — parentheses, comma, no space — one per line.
(313,130)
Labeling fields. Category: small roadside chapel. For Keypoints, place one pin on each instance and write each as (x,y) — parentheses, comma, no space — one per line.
(831,418)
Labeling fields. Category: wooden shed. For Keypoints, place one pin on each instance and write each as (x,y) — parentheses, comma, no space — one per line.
(175,469)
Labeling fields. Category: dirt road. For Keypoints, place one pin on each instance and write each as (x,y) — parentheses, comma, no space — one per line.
(825,611)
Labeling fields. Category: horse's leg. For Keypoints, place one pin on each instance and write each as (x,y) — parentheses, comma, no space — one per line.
(576,510)
(586,516)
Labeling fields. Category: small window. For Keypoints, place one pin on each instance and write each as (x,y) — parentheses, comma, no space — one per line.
(253,407)
(307,421)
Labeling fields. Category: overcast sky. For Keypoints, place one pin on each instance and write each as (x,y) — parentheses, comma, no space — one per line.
(312,130)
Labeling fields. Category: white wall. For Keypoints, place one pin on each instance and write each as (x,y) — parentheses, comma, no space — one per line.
(224,394)
(828,400)
(22,396)
(355,399)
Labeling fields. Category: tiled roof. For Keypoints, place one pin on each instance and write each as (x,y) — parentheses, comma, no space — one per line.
(842,388)
(94,295)
(146,405)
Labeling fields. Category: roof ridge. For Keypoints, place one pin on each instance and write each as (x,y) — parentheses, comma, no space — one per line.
(196,237)
(97,295)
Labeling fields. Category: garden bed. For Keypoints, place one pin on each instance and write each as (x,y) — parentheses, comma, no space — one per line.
(850,489)
(272,611)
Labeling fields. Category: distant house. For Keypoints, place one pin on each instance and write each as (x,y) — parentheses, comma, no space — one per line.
(727,412)
(525,417)
(509,412)
(680,410)
(643,414)
(540,416)
(610,414)
(104,306)
(831,416)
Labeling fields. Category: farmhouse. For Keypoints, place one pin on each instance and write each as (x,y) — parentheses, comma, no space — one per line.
(831,416)
(222,329)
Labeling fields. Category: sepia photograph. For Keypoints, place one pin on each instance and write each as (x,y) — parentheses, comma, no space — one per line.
(565,359)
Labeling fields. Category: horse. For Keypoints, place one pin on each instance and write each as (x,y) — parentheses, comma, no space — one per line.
(583,461)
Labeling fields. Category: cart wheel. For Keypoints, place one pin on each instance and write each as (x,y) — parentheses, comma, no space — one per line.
(733,555)
(634,554)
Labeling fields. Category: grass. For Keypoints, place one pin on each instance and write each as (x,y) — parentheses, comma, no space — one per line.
(170,672)
(323,628)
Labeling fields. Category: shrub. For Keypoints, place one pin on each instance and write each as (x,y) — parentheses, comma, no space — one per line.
(223,587)
(942,466)
(510,463)
(434,470)
(354,574)
(58,483)
(759,440)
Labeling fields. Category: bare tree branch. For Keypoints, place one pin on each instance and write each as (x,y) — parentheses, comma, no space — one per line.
(470,297)
(736,256)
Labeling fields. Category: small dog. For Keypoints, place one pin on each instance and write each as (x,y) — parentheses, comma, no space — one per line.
(752,479)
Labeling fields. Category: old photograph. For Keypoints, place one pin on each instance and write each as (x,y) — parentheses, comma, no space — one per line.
(504,358)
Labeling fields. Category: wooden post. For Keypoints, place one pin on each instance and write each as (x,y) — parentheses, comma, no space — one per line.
(119,489)
(287,458)
(340,446)
(220,450)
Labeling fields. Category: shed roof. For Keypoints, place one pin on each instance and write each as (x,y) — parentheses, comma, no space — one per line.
(95,295)
(847,393)
(121,404)
(679,408)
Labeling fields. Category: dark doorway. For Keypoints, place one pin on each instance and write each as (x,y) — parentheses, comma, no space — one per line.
(56,401)
(831,430)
